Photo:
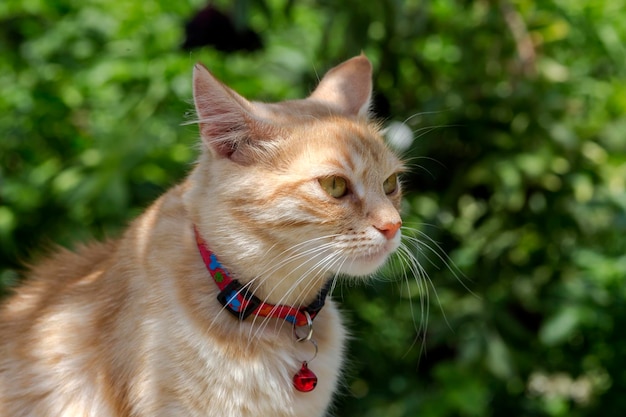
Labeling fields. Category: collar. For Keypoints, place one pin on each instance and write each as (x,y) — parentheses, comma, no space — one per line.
(241,302)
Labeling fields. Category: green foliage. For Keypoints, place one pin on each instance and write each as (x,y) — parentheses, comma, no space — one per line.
(518,109)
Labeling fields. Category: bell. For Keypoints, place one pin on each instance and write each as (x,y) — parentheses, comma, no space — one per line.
(305,380)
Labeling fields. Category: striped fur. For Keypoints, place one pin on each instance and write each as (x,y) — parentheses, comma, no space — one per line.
(131,327)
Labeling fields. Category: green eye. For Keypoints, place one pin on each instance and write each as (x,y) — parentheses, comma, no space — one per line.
(391,184)
(335,186)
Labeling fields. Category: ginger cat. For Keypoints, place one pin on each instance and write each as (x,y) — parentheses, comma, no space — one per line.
(212,301)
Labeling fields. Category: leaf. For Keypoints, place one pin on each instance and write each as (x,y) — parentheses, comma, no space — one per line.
(558,328)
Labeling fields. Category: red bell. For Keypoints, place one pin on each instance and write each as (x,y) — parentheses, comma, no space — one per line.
(305,380)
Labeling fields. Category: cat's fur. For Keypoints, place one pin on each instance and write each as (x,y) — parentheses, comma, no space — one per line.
(132,327)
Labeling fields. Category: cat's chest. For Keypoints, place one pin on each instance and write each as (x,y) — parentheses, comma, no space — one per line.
(247,376)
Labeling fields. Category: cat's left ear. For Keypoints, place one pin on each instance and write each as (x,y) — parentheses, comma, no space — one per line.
(348,87)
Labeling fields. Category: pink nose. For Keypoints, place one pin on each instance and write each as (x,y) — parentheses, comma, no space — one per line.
(389,230)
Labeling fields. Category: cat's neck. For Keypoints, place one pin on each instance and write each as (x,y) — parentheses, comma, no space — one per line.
(241,302)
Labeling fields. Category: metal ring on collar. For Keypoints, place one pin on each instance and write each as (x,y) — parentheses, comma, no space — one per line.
(309,324)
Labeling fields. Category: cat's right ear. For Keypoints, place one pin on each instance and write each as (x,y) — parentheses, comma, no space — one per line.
(225,118)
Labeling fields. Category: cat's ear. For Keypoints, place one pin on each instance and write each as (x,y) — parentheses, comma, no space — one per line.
(348,87)
(226,119)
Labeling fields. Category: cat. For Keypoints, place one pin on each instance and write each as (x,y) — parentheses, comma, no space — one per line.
(214,301)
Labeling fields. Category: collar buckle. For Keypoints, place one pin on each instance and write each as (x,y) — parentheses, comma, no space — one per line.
(238,300)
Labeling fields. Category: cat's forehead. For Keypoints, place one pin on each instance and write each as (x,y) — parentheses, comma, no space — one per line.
(322,141)
(349,148)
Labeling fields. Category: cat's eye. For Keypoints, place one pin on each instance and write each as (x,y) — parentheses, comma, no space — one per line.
(391,184)
(335,186)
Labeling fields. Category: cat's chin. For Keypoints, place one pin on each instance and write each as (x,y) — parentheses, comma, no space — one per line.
(364,265)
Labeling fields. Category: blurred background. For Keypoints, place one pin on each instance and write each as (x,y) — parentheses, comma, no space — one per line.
(517,110)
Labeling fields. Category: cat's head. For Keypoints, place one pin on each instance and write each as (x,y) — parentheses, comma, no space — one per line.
(303,188)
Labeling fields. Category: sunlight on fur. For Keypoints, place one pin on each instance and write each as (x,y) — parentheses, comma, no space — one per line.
(285,199)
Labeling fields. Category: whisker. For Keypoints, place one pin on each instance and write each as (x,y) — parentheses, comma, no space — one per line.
(424,113)
(423,296)
(307,253)
(438,251)
(312,280)
(329,261)
(417,244)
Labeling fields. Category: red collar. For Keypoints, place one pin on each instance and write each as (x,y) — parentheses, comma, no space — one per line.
(238,300)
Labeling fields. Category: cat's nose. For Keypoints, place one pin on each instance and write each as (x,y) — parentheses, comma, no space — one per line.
(389,230)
